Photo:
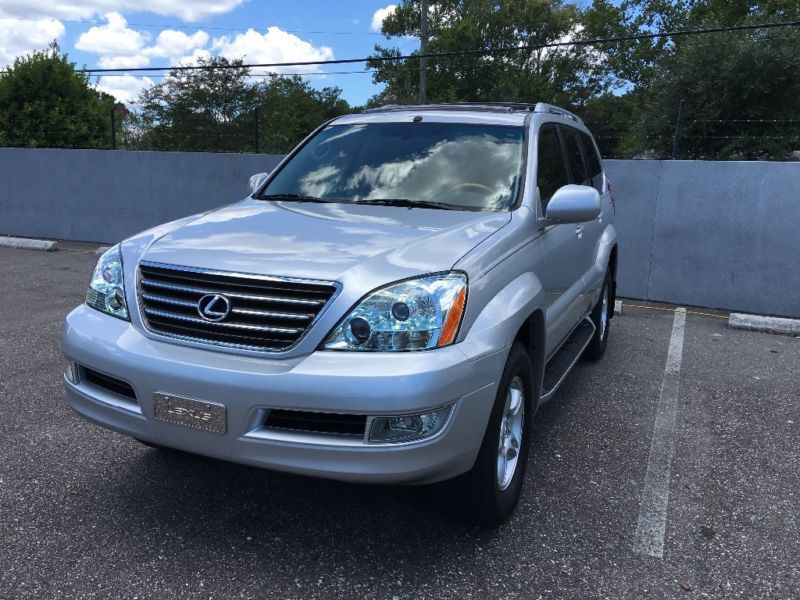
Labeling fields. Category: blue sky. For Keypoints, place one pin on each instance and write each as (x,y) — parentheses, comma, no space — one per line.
(127,33)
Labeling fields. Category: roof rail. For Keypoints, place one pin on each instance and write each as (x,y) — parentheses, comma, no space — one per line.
(507,107)
(543,107)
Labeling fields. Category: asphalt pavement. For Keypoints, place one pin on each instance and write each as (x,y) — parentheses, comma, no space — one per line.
(88,513)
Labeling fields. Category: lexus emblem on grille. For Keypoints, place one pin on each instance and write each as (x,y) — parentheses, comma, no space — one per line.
(214,307)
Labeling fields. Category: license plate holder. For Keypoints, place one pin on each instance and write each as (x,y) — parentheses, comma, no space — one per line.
(187,412)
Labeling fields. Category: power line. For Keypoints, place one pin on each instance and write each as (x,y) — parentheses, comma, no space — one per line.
(481,52)
(265,74)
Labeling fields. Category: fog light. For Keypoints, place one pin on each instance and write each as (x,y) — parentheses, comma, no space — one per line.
(71,372)
(405,428)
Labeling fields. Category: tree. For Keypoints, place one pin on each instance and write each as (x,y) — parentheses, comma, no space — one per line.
(741,89)
(215,109)
(45,102)
(206,109)
(290,109)
(566,75)
(742,98)
(608,116)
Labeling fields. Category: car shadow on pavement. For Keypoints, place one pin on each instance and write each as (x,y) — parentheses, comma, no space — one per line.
(219,506)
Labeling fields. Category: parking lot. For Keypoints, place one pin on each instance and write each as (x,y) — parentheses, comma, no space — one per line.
(87,513)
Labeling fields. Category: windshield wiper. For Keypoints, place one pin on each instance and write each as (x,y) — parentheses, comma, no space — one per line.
(402,202)
(406,203)
(295,198)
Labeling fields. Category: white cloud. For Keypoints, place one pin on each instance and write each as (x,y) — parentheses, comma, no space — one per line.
(274,46)
(112,38)
(124,88)
(379,15)
(123,62)
(22,36)
(122,47)
(191,59)
(187,10)
(171,43)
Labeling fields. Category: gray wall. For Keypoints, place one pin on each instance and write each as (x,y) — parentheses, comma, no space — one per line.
(714,234)
(106,196)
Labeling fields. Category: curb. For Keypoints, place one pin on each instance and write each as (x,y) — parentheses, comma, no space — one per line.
(766,324)
(28,244)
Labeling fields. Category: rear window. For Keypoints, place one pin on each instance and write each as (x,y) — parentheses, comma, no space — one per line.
(572,145)
(593,162)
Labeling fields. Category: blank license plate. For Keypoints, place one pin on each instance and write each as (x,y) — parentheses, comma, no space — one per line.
(206,416)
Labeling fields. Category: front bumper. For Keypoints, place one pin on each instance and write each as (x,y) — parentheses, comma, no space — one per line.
(330,382)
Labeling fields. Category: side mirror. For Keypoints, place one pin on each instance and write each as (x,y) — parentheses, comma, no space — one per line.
(256,181)
(573,204)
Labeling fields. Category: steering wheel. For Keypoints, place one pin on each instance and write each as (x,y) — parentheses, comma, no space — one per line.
(471,186)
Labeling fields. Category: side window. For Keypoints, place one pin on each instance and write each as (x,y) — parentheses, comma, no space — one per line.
(593,162)
(572,144)
(551,172)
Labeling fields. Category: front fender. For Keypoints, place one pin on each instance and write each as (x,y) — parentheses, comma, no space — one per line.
(497,324)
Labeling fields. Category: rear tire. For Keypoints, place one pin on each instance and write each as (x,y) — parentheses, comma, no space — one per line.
(601,317)
(488,493)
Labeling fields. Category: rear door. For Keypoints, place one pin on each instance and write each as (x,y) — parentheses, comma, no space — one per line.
(587,234)
(596,275)
(562,269)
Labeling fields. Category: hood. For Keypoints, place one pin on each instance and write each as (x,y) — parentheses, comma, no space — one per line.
(325,241)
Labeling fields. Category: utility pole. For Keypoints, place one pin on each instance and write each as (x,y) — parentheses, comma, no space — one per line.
(423,49)
(678,124)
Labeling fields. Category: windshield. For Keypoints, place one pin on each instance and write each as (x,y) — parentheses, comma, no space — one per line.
(435,165)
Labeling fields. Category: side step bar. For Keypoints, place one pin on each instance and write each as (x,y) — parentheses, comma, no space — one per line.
(562,362)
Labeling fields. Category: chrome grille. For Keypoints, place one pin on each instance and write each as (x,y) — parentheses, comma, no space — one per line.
(266,313)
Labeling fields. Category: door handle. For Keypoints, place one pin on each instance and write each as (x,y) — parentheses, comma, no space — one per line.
(579,231)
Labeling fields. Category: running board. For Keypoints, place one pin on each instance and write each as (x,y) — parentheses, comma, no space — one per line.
(562,362)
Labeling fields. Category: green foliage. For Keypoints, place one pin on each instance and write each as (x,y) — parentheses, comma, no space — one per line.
(290,109)
(741,89)
(628,92)
(207,109)
(215,109)
(609,118)
(742,98)
(567,76)
(45,103)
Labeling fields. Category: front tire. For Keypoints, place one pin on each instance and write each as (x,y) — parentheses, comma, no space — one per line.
(488,493)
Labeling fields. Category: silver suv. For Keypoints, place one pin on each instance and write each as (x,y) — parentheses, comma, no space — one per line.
(392,304)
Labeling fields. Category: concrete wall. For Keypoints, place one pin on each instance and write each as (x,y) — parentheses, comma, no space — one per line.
(714,234)
(106,196)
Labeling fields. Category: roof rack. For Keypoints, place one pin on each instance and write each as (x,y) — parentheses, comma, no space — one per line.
(543,107)
(506,107)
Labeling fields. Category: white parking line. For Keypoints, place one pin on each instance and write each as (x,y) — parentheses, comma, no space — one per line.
(649,538)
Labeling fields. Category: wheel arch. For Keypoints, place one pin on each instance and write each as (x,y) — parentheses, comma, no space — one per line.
(531,335)
(612,267)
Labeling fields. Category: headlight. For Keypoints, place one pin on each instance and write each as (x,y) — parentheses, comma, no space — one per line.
(416,314)
(106,292)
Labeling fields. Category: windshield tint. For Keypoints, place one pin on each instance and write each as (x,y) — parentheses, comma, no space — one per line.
(472,167)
